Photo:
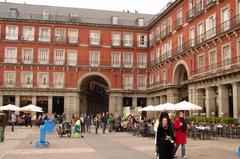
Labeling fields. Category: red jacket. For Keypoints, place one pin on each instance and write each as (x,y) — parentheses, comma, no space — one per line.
(180,136)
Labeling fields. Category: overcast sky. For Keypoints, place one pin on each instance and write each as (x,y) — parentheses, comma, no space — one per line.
(143,6)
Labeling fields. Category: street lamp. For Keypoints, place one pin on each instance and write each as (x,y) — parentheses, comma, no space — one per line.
(213,113)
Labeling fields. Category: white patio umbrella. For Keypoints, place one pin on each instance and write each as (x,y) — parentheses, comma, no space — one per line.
(147,108)
(184,105)
(31,107)
(10,107)
(163,107)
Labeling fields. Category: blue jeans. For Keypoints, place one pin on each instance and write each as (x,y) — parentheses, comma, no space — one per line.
(183,149)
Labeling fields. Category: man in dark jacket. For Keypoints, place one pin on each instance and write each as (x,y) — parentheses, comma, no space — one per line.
(3,123)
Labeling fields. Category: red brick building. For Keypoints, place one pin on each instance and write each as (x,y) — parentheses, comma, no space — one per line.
(87,61)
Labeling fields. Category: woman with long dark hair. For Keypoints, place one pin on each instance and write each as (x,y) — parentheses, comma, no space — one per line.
(165,137)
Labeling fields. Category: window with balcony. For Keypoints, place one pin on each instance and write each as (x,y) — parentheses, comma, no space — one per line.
(226,55)
(212,60)
(158,54)
(169,25)
(58,79)
(180,43)
(157,78)
(164,76)
(42,80)
(43,56)
(140,22)
(128,60)
(151,39)
(238,50)
(59,57)
(142,40)
(9,78)
(164,52)
(128,82)
(179,21)
(225,19)
(45,34)
(209,3)
(60,35)
(211,26)
(114,20)
(151,79)
(94,38)
(10,55)
(94,59)
(199,6)
(158,37)
(28,33)
(116,39)
(128,40)
(72,57)
(192,37)
(11,32)
(201,64)
(116,59)
(27,79)
(27,55)
(142,82)
(200,32)
(72,36)
(163,29)
(169,49)
(142,60)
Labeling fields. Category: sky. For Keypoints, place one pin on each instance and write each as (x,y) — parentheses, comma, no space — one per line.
(142,6)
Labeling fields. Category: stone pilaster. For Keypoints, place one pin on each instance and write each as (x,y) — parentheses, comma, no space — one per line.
(34,100)
(172,96)
(236,100)
(223,100)
(1,100)
(115,102)
(210,101)
(134,102)
(17,100)
(49,105)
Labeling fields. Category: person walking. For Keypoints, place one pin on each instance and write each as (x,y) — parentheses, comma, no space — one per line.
(165,138)
(110,122)
(180,127)
(13,120)
(88,123)
(96,123)
(104,122)
(3,123)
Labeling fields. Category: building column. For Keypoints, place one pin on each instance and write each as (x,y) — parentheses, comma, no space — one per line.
(115,103)
(1,100)
(50,105)
(223,100)
(134,102)
(34,100)
(17,101)
(172,96)
(67,107)
(236,100)
(210,101)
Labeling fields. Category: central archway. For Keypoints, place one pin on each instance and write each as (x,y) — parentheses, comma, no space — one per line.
(180,76)
(94,96)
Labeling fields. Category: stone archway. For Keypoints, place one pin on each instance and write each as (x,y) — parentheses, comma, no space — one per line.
(180,76)
(94,96)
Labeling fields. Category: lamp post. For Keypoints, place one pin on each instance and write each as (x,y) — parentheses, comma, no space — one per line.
(222,114)
(213,115)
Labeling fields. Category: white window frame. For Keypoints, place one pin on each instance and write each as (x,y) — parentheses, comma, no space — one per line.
(164,76)
(225,25)
(227,61)
(10,57)
(24,79)
(116,39)
(127,62)
(128,83)
(192,37)
(142,38)
(72,56)
(46,37)
(200,32)
(95,37)
(140,22)
(114,20)
(94,61)
(142,82)
(142,64)
(42,59)
(128,39)
(12,35)
(8,81)
(72,38)
(116,62)
(60,35)
(212,64)
(210,30)
(28,35)
(201,69)
(40,81)
(59,60)
(58,83)
(27,57)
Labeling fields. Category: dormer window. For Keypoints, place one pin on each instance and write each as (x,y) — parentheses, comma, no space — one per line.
(73,16)
(45,15)
(140,22)
(114,20)
(13,13)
